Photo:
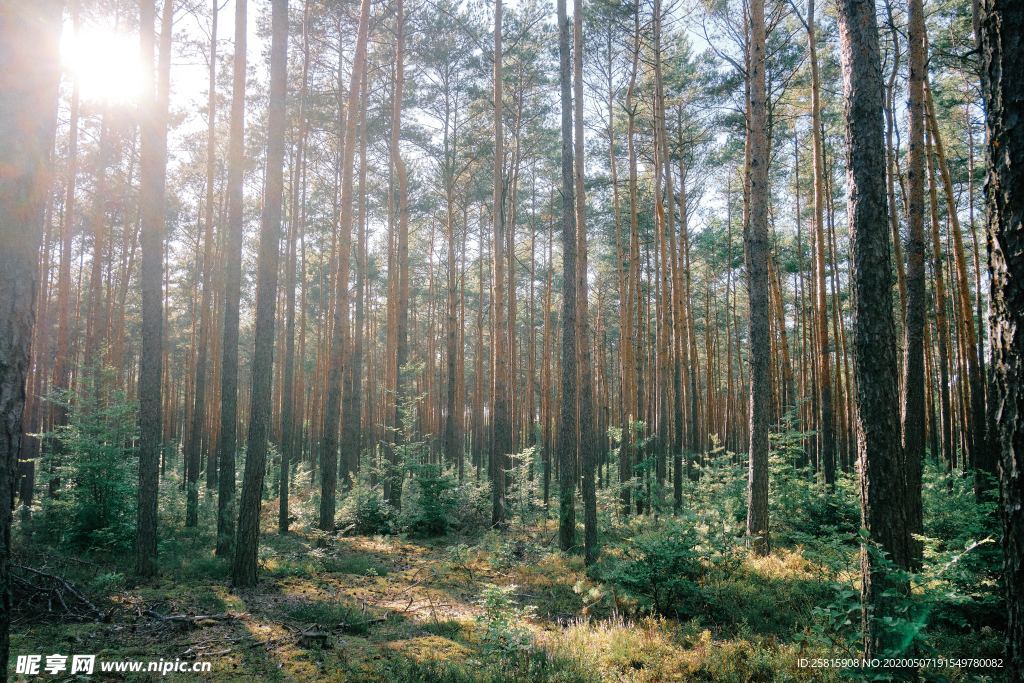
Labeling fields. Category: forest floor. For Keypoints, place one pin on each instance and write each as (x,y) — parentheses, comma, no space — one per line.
(392,608)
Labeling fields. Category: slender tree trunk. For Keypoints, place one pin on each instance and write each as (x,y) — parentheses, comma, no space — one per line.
(232,294)
(289,395)
(397,468)
(501,443)
(631,309)
(589,444)
(941,323)
(826,420)
(452,443)
(339,333)
(198,426)
(62,362)
(981,456)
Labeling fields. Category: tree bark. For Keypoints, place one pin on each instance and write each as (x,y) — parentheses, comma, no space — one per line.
(339,334)
(153,164)
(589,443)
(197,426)
(913,415)
(1003,62)
(883,514)
(243,567)
(232,294)
(29,50)
(501,442)
(757,287)
(568,428)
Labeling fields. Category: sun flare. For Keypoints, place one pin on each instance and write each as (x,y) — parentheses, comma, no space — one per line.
(106,63)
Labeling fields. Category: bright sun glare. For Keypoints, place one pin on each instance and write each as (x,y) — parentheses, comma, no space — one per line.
(106,63)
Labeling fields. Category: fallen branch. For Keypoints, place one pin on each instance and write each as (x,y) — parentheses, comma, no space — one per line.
(193,620)
(51,589)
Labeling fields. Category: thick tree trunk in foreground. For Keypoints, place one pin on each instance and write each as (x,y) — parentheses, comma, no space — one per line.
(757,280)
(568,421)
(1003,55)
(29,35)
(878,441)
(153,166)
(243,568)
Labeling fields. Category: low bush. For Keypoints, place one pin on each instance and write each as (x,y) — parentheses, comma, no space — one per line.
(660,568)
(429,502)
(92,473)
(364,510)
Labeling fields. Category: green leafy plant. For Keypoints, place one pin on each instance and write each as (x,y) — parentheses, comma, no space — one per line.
(503,633)
(660,567)
(365,511)
(429,504)
(93,472)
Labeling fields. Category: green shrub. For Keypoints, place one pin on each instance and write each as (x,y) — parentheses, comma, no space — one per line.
(471,511)
(94,505)
(365,510)
(502,623)
(660,567)
(521,499)
(427,509)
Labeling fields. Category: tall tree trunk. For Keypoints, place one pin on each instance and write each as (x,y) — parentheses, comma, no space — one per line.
(243,567)
(883,513)
(397,468)
(339,333)
(198,425)
(981,457)
(913,415)
(757,287)
(941,323)
(290,397)
(232,294)
(568,429)
(62,362)
(153,163)
(1003,62)
(452,443)
(589,443)
(632,387)
(360,315)
(29,50)
(351,392)
(501,442)
(826,422)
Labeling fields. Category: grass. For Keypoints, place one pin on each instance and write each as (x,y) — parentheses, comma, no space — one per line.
(400,609)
